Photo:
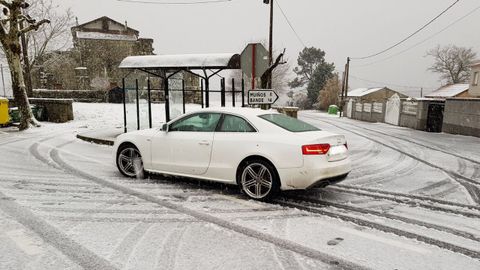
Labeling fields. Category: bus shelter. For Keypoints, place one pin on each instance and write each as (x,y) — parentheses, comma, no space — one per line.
(167,67)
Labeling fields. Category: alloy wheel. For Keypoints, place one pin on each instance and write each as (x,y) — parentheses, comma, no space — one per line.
(130,162)
(257,180)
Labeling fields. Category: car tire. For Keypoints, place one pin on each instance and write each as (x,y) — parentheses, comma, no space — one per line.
(258,179)
(129,161)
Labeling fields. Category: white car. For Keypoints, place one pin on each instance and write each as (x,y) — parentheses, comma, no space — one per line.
(262,151)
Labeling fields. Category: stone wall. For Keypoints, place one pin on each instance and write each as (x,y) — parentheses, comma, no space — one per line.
(290,111)
(408,114)
(57,110)
(369,112)
(378,112)
(53,110)
(76,95)
(462,116)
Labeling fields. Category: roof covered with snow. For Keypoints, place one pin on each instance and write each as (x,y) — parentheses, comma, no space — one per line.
(448,91)
(188,61)
(105,36)
(360,92)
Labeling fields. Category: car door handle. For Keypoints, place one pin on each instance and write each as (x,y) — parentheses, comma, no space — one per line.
(204,143)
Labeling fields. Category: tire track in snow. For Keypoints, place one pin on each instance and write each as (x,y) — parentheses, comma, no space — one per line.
(282,243)
(376,192)
(123,250)
(167,258)
(380,173)
(472,186)
(302,205)
(411,200)
(286,258)
(373,151)
(71,249)
(324,202)
(384,167)
(410,141)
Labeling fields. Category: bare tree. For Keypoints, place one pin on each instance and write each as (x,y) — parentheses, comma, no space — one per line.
(330,93)
(452,63)
(52,37)
(266,78)
(10,32)
(55,36)
(280,76)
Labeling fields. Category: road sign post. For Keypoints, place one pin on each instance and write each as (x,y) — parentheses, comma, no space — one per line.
(254,61)
(262,97)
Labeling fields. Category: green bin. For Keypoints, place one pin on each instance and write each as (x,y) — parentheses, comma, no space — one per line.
(333,109)
(37,111)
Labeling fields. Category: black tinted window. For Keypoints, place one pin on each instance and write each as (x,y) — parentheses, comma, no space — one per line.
(235,124)
(202,122)
(288,123)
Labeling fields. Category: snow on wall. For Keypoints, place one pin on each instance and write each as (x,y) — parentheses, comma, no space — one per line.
(105,36)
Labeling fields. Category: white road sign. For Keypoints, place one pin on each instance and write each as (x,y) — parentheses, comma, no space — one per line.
(262,97)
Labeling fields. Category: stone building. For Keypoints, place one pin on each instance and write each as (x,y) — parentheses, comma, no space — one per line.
(92,64)
(378,94)
(458,90)
(100,45)
(475,80)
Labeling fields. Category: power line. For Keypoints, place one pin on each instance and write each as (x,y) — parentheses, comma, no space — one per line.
(393,84)
(408,37)
(290,24)
(175,3)
(425,40)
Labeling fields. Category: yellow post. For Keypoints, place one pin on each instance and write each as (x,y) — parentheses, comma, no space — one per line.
(4,116)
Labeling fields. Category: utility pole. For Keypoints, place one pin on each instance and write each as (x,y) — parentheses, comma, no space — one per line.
(343,92)
(347,76)
(345,85)
(421,92)
(270,40)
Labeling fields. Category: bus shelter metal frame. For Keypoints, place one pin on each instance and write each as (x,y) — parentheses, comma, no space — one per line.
(167,66)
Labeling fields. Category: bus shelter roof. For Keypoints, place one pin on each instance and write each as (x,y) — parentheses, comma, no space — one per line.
(182,61)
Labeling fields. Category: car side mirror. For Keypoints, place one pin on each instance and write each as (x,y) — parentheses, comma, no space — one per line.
(165,127)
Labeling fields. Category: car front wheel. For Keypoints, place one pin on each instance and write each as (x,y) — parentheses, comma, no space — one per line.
(258,180)
(129,161)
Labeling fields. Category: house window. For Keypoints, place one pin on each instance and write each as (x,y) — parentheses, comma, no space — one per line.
(475,79)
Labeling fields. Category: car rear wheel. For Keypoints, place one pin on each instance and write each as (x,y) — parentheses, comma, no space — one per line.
(129,161)
(258,180)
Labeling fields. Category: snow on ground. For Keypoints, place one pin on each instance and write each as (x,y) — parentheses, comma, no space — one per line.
(409,203)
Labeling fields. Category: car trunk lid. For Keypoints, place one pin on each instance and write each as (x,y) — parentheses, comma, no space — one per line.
(338,144)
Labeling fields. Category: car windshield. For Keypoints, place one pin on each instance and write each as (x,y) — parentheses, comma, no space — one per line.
(288,123)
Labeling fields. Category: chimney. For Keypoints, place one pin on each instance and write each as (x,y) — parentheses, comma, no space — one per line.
(126,25)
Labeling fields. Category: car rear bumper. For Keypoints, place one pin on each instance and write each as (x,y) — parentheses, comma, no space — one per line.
(315,172)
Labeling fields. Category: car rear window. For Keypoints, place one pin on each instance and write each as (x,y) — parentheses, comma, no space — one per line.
(288,123)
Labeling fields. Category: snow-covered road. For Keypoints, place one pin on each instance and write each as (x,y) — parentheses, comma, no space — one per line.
(411,203)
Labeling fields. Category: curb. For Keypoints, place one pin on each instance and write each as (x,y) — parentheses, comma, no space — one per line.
(95,140)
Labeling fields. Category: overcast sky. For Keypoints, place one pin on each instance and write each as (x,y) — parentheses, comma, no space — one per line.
(339,27)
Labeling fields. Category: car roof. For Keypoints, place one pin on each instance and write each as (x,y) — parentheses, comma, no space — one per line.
(245,111)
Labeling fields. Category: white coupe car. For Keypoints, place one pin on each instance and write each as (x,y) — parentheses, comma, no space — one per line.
(261,151)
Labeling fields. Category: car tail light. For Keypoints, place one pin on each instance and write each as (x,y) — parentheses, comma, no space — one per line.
(315,149)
